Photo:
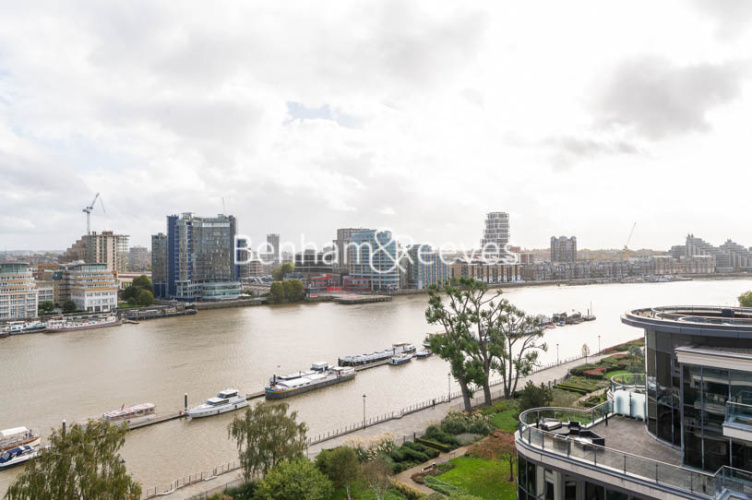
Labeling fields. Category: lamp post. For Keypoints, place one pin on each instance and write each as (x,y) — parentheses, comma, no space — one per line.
(449,387)
(557,353)
(599,344)
(364,411)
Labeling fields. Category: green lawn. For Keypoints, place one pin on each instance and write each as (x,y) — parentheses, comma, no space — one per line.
(482,478)
(608,375)
(365,494)
(506,420)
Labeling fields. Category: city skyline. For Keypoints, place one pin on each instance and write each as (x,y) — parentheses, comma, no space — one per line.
(419,119)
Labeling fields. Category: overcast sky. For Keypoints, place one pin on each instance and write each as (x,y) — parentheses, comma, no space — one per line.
(578,118)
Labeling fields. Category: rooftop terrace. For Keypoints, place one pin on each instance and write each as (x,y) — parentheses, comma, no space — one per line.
(621,447)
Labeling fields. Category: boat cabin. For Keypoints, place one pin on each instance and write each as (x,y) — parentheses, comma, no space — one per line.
(15,452)
(227,394)
(217,401)
(320,366)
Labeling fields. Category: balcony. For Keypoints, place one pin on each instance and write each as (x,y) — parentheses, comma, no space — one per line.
(661,471)
(738,423)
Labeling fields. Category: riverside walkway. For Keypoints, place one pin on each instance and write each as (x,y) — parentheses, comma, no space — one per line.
(402,429)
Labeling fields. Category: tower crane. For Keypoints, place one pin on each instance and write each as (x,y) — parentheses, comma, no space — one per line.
(87,211)
(626,245)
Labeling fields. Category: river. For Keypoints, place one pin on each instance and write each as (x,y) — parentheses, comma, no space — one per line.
(48,378)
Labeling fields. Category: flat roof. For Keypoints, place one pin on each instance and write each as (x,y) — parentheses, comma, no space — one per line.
(713,321)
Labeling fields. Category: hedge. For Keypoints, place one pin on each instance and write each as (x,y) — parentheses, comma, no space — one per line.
(444,448)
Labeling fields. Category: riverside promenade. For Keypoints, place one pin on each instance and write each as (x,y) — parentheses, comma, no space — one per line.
(401,429)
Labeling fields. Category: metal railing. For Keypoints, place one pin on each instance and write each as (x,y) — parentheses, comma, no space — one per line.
(609,460)
(184,481)
(731,479)
(633,382)
(738,414)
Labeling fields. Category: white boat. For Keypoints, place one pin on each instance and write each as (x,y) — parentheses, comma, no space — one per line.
(18,436)
(132,415)
(320,375)
(227,400)
(423,353)
(364,359)
(17,456)
(69,325)
(400,359)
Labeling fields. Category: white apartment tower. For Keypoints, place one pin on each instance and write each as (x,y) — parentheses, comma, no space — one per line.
(495,234)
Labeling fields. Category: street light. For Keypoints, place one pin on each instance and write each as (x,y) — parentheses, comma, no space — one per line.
(557,353)
(364,411)
(599,344)
(449,387)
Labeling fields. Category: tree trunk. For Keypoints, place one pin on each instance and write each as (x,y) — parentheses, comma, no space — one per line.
(465,395)
(487,393)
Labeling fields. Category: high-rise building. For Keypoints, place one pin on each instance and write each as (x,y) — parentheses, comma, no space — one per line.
(201,257)
(563,249)
(138,259)
(159,264)
(107,248)
(425,267)
(680,429)
(340,245)
(272,244)
(373,260)
(19,296)
(495,234)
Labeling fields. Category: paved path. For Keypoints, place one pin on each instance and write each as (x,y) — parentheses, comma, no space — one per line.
(405,477)
(402,428)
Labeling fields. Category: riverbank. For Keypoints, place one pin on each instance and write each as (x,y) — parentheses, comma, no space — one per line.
(404,426)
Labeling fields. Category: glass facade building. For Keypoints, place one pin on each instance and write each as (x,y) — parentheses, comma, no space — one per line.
(425,267)
(689,437)
(689,383)
(200,253)
(373,256)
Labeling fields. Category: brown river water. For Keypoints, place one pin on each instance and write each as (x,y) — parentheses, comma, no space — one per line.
(47,378)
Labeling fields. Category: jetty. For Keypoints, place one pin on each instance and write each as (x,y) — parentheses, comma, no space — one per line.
(175,415)
(353,299)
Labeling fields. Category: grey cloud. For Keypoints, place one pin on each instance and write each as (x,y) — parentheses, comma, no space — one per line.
(731,16)
(658,99)
(570,149)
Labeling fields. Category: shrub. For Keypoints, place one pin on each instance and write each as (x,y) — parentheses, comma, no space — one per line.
(444,448)
(434,433)
(245,491)
(430,452)
(533,396)
(406,491)
(437,484)
(460,423)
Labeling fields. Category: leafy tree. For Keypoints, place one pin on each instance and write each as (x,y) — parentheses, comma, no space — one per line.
(585,352)
(266,435)
(294,290)
(295,480)
(143,282)
(277,293)
(278,273)
(533,396)
(145,298)
(81,463)
(457,340)
(133,294)
(340,465)
(514,342)
(69,306)
(376,475)
(46,307)
(496,447)
(745,299)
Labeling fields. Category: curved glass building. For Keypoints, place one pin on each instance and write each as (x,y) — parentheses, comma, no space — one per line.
(698,372)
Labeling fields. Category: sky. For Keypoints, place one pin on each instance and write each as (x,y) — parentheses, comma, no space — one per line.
(578,118)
